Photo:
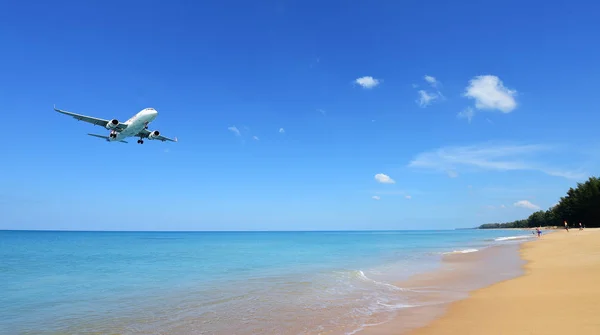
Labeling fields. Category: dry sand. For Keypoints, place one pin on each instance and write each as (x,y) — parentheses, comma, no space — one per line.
(558,294)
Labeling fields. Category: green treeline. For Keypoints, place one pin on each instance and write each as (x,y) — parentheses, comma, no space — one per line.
(581,204)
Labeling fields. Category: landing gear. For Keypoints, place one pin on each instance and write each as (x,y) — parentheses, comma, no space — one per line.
(140,141)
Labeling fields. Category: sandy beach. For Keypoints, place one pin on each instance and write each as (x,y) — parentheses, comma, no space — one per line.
(557,294)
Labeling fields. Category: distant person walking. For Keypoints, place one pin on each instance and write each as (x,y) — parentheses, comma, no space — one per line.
(539,232)
(566,226)
(580,227)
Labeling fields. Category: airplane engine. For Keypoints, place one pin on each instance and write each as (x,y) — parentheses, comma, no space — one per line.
(112,124)
(153,134)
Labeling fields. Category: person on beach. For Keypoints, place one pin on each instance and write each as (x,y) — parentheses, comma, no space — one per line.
(566,226)
(580,227)
(539,232)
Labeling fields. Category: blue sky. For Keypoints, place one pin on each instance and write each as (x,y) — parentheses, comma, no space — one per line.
(394,114)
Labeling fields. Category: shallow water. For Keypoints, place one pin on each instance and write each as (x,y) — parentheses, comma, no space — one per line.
(216,283)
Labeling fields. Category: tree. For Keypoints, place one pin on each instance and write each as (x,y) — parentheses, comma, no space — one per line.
(581,204)
(537,219)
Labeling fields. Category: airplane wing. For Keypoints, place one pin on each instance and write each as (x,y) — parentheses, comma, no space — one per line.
(92,120)
(105,137)
(144,133)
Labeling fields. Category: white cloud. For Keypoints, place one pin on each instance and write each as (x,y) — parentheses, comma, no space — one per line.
(321,111)
(502,206)
(526,204)
(234,130)
(431,80)
(468,114)
(384,179)
(408,197)
(376,197)
(255,138)
(566,174)
(452,173)
(367,82)
(489,93)
(281,130)
(515,191)
(426,98)
(487,156)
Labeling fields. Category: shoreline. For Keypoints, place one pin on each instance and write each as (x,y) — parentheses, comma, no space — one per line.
(555,293)
(459,273)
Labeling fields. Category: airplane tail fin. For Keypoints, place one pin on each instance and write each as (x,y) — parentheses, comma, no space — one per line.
(105,137)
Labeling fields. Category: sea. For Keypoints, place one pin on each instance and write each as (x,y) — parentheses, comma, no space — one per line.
(326,282)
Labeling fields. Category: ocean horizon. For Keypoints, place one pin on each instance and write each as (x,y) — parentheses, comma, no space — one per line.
(242,231)
(217,282)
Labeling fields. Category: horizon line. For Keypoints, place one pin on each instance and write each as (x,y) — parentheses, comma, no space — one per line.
(221,231)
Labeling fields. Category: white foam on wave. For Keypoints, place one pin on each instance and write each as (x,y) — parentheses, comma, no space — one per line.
(364,326)
(509,238)
(464,251)
(362,276)
(389,307)
(374,301)
(395,306)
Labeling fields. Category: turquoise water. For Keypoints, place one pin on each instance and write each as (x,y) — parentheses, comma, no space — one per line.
(213,282)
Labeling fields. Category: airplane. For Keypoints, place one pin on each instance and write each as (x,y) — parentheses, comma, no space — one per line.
(136,126)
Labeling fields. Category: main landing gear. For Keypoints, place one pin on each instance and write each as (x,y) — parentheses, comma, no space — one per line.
(140,141)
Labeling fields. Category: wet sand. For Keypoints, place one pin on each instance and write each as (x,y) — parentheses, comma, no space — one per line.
(460,273)
(557,294)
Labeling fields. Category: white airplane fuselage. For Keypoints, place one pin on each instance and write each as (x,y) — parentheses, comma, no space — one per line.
(135,124)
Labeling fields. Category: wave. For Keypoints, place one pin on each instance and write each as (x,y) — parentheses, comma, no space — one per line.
(361,275)
(464,251)
(361,328)
(509,238)
(396,306)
